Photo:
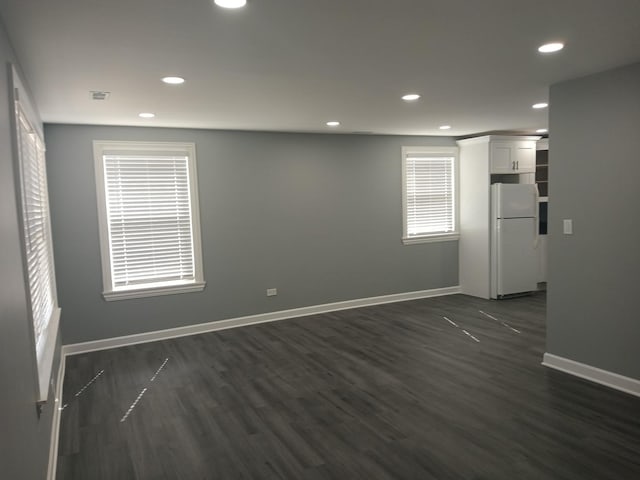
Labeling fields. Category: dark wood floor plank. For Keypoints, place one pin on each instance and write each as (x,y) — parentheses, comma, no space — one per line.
(385,392)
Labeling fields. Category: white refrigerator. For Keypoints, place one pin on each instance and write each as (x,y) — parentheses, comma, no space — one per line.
(514,239)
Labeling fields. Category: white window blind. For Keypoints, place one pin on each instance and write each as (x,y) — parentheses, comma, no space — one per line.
(151,221)
(35,210)
(429,194)
(42,302)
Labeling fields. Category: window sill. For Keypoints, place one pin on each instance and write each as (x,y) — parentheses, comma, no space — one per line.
(446,237)
(156,291)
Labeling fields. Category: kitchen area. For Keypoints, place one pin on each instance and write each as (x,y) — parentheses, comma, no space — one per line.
(503,198)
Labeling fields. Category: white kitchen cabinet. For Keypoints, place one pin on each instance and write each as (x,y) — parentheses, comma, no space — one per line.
(512,156)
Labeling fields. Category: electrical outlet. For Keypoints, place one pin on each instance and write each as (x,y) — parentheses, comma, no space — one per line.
(272,292)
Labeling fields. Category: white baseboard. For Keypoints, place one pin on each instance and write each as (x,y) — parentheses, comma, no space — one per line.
(597,375)
(77,348)
(55,427)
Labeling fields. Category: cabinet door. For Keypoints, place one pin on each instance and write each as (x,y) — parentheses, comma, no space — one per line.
(502,160)
(525,158)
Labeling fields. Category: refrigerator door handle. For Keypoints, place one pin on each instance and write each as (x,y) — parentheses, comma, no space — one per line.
(536,198)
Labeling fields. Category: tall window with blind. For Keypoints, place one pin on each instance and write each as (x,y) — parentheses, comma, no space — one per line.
(429,184)
(37,242)
(149,220)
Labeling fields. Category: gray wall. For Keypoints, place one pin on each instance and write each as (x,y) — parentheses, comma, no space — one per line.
(319,217)
(24,438)
(594,180)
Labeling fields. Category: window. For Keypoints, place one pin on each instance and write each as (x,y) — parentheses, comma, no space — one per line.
(149,218)
(37,243)
(429,181)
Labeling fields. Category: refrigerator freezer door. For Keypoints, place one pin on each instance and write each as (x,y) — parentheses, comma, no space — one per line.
(515,260)
(514,200)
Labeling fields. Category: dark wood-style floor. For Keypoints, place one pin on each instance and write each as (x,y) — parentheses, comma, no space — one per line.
(387,392)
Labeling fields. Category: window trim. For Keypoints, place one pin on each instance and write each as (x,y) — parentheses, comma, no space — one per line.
(434,152)
(43,357)
(102,147)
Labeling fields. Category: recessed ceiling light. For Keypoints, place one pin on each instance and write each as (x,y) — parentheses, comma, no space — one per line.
(146,115)
(410,97)
(542,130)
(538,106)
(173,80)
(333,124)
(445,127)
(230,3)
(551,47)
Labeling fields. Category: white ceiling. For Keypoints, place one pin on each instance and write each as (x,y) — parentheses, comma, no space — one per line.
(292,65)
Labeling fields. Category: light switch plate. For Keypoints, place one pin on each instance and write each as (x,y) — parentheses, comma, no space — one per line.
(567,226)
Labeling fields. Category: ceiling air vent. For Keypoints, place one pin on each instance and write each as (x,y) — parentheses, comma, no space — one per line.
(98,95)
